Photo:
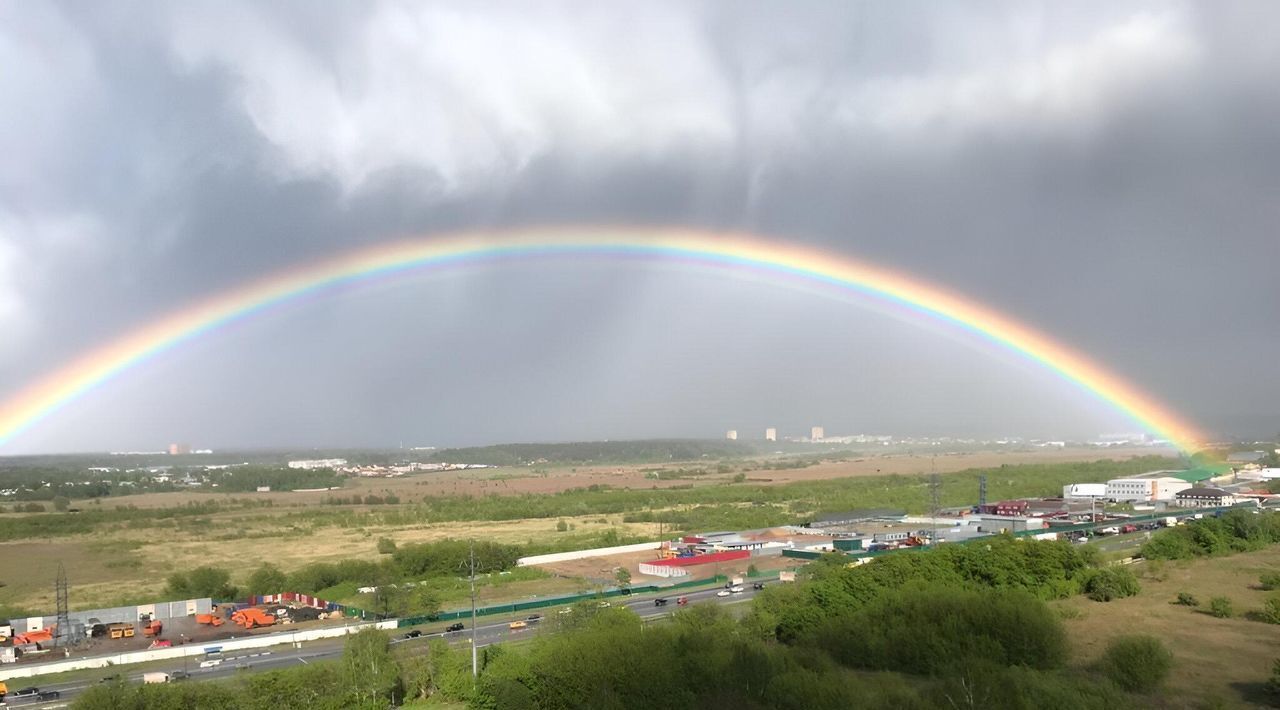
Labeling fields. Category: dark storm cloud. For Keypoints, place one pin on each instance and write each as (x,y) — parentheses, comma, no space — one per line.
(1106,172)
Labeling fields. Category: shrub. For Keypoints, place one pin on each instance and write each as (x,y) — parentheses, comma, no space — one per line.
(1112,583)
(386,546)
(1137,663)
(1271,610)
(1270,581)
(1186,599)
(561,526)
(1220,607)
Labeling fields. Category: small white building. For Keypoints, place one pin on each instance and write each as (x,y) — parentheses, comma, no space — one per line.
(1145,490)
(1084,490)
(1203,498)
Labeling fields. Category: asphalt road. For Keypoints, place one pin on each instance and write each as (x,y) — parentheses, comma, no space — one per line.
(271,658)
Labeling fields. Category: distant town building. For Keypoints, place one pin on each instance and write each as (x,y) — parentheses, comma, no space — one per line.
(770,434)
(1203,498)
(179,449)
(731,435)
(318,463)
(817,434)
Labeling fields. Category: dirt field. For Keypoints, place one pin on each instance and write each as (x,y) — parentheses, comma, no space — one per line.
(517,481)
(1219,662)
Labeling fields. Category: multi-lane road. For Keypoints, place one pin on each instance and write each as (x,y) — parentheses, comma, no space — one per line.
(283,656)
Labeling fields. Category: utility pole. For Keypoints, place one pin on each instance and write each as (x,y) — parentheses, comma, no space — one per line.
(475,667)
(935,504)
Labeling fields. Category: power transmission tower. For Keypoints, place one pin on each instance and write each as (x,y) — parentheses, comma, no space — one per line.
(64,635)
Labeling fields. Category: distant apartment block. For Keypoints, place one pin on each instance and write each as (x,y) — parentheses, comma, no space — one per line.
(179,449)
(318,463)
(731,435)
(817,434)
(770,434)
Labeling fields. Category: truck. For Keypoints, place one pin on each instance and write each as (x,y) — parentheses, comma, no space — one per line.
(155,677)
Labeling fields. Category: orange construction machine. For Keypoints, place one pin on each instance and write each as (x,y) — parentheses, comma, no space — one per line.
(153,629)
(210,619)
(251,618)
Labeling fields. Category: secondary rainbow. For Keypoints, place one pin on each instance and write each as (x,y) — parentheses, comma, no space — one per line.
(782,261)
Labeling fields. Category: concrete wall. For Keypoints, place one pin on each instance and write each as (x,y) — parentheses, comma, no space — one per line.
(580,554)
(190,650)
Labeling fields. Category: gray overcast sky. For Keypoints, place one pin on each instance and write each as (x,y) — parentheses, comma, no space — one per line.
(1108,172)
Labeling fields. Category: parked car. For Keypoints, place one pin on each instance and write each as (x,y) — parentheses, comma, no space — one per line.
(413,634)
(660,601)
(454,627)
(48,695)
(517,625)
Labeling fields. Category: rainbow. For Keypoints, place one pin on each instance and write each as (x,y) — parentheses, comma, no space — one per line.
(736,251)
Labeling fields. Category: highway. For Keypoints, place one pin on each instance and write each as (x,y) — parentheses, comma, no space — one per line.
(283,656)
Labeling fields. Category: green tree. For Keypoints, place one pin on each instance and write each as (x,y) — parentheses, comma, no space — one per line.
(369,671)
(267,579)
(1137,663)
(61,503)
(623,577)
(213,582)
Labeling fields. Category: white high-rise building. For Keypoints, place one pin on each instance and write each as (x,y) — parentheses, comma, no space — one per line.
(731,435)
(817,434)
(770,434)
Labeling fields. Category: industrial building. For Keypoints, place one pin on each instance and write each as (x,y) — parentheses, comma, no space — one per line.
(1144,490)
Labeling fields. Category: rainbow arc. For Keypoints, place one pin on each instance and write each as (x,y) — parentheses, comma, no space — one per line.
(783,262)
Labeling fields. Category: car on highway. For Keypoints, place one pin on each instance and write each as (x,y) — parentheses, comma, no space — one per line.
(454,627)
(26,692)
(757,585)
(48,695)
(111,678)
(682,601)
(723,593)
(413,634)
(736,589)
(660,601)
(179,675)
(533,618)
(518,624)
(566,610)
(604,605)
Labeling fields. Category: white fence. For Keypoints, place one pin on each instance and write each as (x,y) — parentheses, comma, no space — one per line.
(191,649)
(662,570)
(579,554)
